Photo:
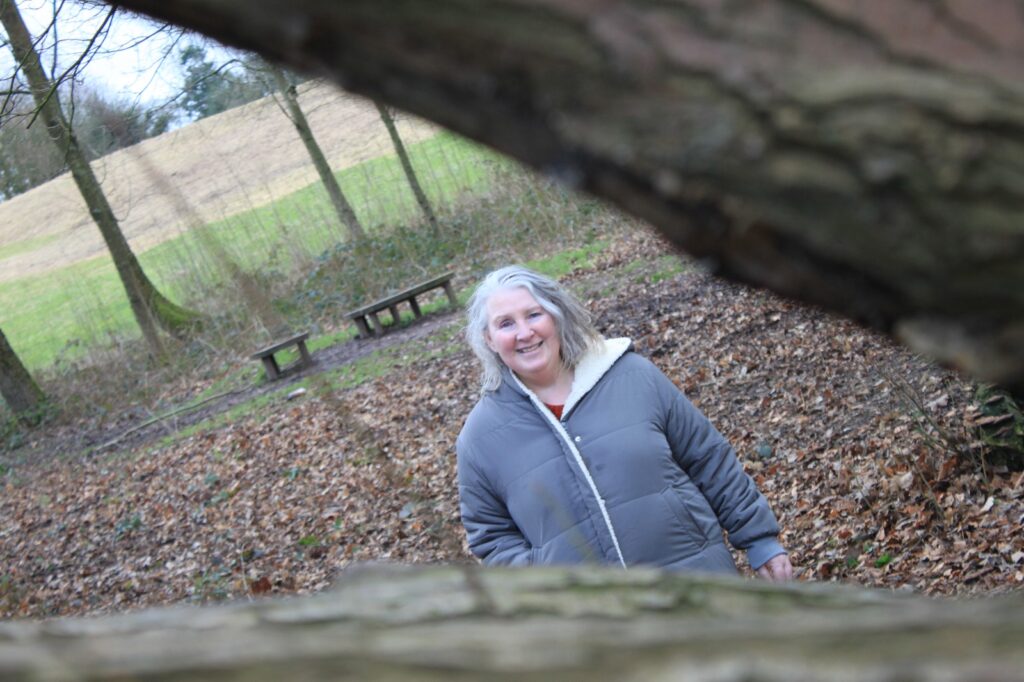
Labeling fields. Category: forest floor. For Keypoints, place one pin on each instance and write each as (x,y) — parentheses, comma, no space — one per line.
(859,445)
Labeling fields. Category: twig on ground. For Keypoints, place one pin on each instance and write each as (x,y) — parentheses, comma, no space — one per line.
(167,415)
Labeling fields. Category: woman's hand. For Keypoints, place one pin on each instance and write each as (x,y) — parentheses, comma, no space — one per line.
(777,569)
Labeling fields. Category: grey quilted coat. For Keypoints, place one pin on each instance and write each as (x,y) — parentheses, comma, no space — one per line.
(632,474)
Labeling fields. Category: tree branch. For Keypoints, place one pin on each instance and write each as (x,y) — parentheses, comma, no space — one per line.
(817,149)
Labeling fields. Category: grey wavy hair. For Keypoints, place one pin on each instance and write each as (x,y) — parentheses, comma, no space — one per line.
(576,332)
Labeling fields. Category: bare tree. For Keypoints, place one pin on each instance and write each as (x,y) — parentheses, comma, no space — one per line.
(410,174)
(843,153)
(19,390)
(346,215)
(150,308)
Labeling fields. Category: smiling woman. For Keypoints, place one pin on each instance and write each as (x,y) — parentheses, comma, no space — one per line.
(580,450)
(525,337)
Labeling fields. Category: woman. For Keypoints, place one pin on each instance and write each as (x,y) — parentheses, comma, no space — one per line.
(580,450)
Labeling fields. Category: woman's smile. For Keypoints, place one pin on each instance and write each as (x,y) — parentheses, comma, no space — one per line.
(524,335)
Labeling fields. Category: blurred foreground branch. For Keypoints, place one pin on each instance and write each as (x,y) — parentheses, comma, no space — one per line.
(590,624)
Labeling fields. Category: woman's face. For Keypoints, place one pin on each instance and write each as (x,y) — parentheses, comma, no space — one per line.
(524,336)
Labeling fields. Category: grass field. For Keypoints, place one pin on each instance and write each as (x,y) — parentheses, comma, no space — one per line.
(26,245)
(219,166)
(64,312)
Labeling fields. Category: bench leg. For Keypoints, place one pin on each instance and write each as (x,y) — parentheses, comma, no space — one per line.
(415,307)
(364,330)
(270,364)
(451,294)
(394,314)
(307,359)
(378,328)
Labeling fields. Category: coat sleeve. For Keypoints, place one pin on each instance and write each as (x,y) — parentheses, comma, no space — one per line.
(493,535)
(711,463)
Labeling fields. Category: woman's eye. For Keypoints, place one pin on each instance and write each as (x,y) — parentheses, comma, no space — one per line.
(535,314)
(504,324)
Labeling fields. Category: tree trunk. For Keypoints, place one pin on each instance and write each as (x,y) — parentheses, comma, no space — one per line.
(18,388)
(841,152)
(445,623)
(341,206)
(410,173)
(148,305)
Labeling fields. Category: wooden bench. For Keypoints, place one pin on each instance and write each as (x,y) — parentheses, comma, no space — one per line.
(369,312)
(270,364)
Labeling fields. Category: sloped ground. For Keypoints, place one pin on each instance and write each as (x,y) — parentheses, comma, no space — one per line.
(231,162)
(868,490)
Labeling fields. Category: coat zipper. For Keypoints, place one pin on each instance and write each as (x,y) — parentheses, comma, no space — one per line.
(539,406)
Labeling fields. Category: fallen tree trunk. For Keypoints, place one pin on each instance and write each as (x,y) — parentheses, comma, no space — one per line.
(866,156)
(587,624)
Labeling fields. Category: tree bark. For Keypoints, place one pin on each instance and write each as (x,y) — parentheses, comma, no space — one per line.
(443,623)
(346,215)
(149,306)
(19,390)
(410,173)
(854,154)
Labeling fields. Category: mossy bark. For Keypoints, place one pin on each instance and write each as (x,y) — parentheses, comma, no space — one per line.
(342,207)
(19,390)
(821,149)
(150,308)
(410,173)
(592,624)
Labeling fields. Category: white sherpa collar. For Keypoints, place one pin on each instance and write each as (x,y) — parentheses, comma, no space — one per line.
(598,360)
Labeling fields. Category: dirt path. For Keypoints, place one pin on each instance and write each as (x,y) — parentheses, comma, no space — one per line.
(131,436)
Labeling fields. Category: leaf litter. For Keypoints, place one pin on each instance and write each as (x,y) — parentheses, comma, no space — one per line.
(860,446)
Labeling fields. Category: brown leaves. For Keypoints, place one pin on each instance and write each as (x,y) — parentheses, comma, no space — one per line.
(870,454)
(259,507)
(867,491)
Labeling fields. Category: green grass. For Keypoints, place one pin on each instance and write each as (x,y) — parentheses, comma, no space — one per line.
(668,267)
(377,190)
(43,313)
(84,304)
(327,340)
(665,267)
(634,265)
(233,414)
(562,263)
(25,245)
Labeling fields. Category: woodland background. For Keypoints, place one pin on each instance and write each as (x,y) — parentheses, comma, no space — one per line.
(188,478)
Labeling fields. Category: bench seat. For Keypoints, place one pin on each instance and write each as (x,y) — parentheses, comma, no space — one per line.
(366,315)
(266,355)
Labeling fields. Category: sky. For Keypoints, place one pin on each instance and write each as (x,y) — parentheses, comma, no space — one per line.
(128,65)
